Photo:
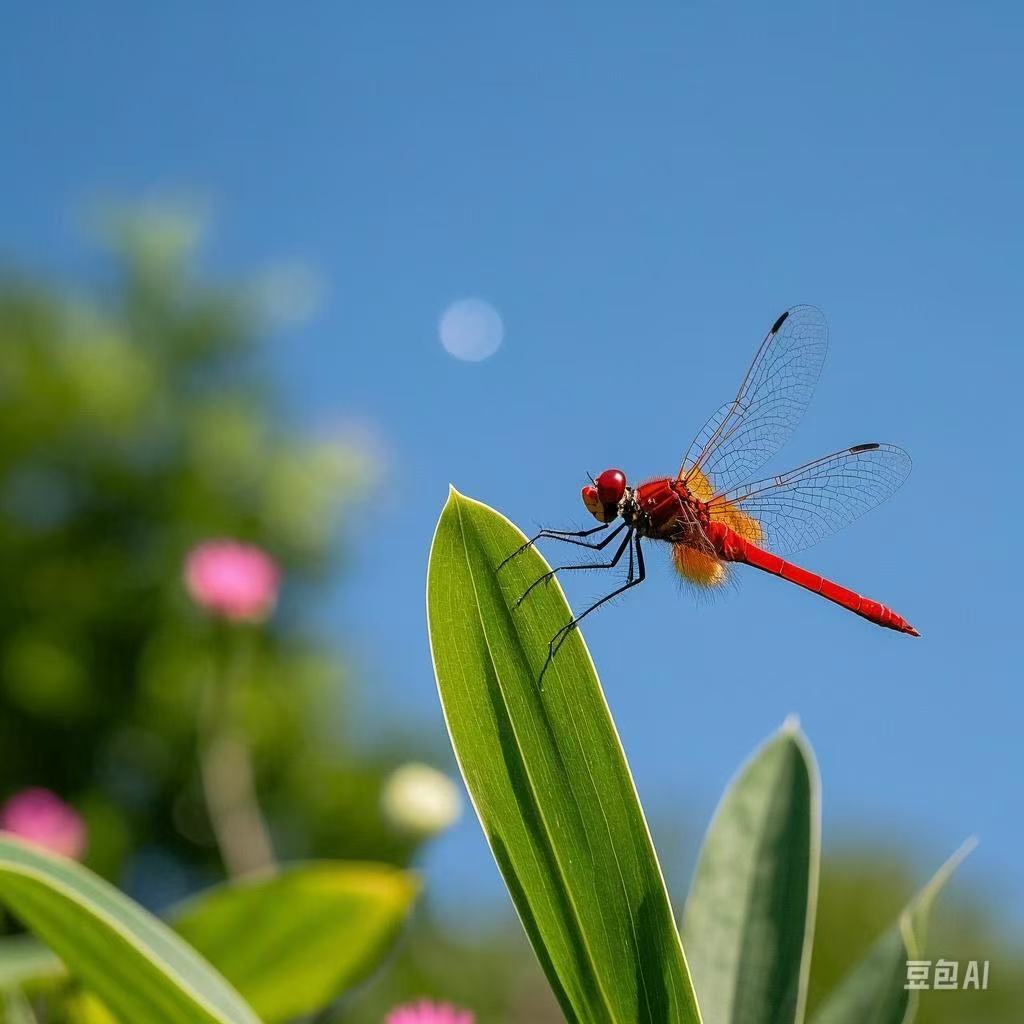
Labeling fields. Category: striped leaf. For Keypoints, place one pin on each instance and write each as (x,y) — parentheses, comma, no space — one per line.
(142,971)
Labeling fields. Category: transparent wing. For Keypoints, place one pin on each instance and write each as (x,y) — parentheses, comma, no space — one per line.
(799,508)
(740,438)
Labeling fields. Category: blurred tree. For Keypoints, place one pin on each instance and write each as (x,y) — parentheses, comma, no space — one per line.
(134,423)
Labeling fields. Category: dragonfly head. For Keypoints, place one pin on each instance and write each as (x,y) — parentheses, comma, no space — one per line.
(602,497)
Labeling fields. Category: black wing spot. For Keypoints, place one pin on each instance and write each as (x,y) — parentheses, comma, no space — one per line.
(864,448)
(778,323)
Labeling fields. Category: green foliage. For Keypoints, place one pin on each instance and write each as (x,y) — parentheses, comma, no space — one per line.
(549,780)
(750,914)
(136,965)
(322,928)
(750,917)
(136,421)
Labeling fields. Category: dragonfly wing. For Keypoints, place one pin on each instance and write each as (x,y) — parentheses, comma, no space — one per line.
(740,438)
(799,508)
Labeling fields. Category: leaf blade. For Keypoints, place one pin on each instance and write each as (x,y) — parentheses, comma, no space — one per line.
(749,916)
(140,969)
(322,928)
(548,779)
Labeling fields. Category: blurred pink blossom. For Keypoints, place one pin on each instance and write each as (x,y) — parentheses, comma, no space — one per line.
(233,580)
(426,1012)
(42,817)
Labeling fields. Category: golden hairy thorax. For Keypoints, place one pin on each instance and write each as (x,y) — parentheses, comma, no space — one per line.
(701,567)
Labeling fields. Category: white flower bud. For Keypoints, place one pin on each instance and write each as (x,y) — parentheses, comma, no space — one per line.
(420,799)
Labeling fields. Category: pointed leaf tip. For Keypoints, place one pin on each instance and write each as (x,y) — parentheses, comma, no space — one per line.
(921,903)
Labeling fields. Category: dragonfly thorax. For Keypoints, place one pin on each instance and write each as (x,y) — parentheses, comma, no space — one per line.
(665,509)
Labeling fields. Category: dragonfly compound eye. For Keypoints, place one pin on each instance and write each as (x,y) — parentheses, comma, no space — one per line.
(611,486)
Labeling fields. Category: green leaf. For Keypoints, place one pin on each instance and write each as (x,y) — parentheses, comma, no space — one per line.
(143,971)
(750,914)
(873,992)
(293,942)
(549,780)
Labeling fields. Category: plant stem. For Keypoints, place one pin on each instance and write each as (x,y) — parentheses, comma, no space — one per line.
(229,786)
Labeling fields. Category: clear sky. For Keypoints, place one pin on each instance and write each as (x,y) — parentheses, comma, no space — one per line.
(638,190)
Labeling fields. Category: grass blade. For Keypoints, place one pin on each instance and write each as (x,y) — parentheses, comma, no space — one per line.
(140,969)
(549,780)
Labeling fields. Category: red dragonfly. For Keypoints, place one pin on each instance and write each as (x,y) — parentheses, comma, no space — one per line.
(710,513)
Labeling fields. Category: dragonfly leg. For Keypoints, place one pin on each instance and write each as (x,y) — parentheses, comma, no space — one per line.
(567,536)
(586,565)
(559,638)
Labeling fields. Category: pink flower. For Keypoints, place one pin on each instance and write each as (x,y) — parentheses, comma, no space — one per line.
(235,581)
(426,1012)
(43,818)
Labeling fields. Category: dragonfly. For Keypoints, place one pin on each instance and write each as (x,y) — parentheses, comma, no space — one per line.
(713,515)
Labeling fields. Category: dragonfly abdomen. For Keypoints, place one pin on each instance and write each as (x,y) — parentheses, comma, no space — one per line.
(733,548)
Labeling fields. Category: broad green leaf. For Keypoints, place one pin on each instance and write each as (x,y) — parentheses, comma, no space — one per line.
(24,961)
(750,913)
(549,780)
(143,971)
(293,942)
(874,991)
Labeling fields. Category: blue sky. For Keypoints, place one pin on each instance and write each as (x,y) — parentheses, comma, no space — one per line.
(639,192)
